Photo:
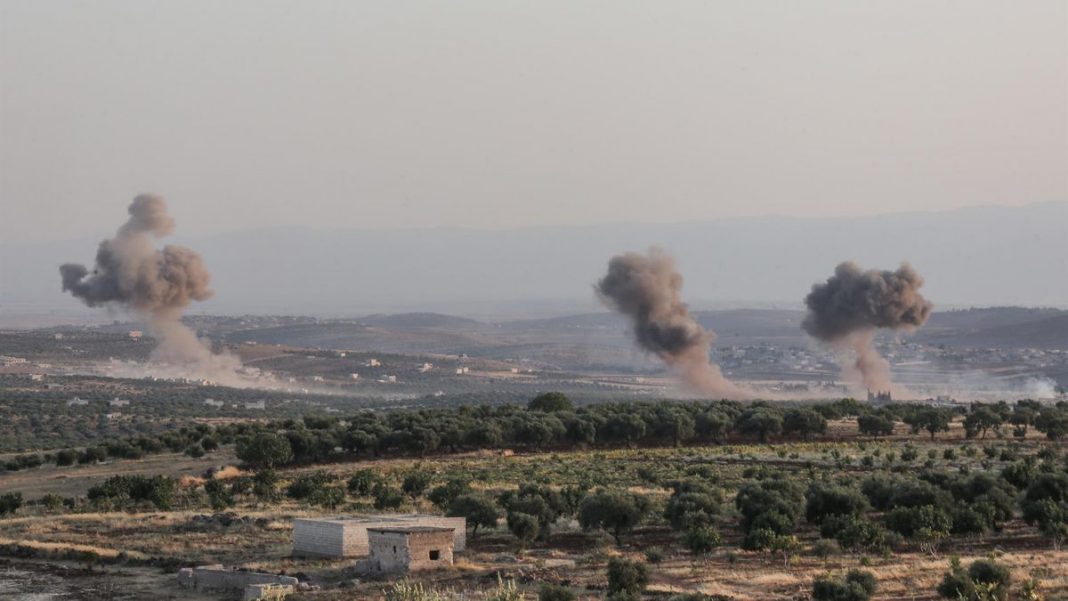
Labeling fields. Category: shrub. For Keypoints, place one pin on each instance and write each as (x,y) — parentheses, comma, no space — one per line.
(415,483)
(627,577)
(554,592)
(701,540)
(10,502)
(985,580)
(858,585)
(362,483)
(524,527)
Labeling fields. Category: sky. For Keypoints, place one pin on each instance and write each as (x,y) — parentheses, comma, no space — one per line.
(498,114)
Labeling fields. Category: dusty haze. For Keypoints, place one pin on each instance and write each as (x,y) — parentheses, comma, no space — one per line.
(492,114)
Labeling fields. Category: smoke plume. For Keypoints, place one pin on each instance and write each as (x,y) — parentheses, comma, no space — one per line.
(156,284)
(646,288)
(847,309)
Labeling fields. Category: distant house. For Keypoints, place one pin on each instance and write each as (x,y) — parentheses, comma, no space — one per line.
(136,334)
(117,402)
(462,370)
(354,376)
(76,401)
(374,363)
(426,367)
(261,405)
(213,403)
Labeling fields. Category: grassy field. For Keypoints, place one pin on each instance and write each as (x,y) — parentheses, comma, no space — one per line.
(260,538)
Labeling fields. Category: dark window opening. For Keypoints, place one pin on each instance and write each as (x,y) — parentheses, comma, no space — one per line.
(435,555)
(394,549)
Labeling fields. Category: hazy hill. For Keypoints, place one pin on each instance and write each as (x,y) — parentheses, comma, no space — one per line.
(971,257)
(1006,327)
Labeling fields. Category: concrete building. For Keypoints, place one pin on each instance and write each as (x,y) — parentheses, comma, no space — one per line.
(347,536)
(409,548)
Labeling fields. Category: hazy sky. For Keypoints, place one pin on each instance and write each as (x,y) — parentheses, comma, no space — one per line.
(498,114)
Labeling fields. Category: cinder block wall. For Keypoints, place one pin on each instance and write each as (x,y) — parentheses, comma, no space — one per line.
(320,538)
(421,543)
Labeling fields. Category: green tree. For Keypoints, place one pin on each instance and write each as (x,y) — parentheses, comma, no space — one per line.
(875,424)
(980,420)
(626,578)
(804,422)
(415,483)
(931,419)
(701,540)
(265,450)
(551,402)
(524,527)
(478,509)
(617,512)
(760,421)
(362,483)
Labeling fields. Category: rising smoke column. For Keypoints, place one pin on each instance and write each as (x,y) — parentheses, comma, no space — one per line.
(646,289)
(847,309)
(156,284)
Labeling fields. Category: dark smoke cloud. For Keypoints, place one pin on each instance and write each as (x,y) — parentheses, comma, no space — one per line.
(158,284)
(646,288)
(851,305)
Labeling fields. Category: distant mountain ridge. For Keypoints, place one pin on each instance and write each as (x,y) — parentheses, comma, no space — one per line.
(972,257)
(1004,327)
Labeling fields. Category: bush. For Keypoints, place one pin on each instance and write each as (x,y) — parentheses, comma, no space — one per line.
(10,502)
(554,592)
(825,548)
(363,482)
(985,580)
(387,498)
(701,540)
(524,527)
(308,484)
(858,585)
(415,483)
(626,576)
(158,490)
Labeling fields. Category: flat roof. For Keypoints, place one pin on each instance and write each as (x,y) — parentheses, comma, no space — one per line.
(370,519)
(410,529)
